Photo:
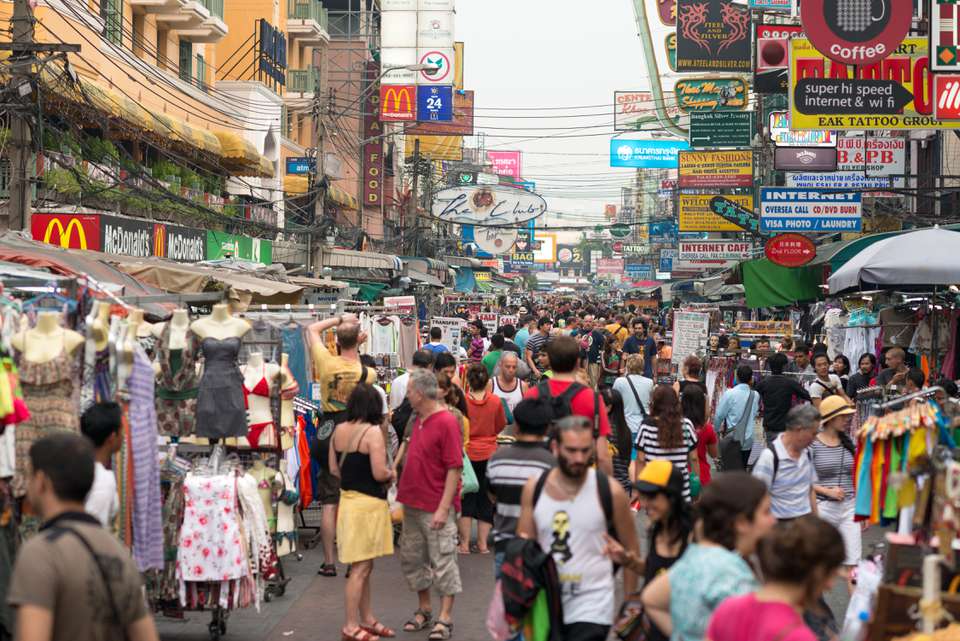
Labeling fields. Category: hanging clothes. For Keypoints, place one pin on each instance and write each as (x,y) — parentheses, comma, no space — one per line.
(48,390)
(221,410)
(178,385)
(147,503)
(409,340)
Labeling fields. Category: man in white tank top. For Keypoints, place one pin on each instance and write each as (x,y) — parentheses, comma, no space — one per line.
(505,384)
(569,521)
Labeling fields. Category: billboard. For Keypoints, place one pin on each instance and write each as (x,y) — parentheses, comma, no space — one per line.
(709,250)
(398,103)
(713,35)
(70,231)
(783,136)
(223,245)
(483,204)
(506,163)
(716,169)
(805,159)
(646,154)
(372,165)
(906,71)
(856,32)
(785,209)
(696,214)
(631,109)
(435,104)
(944,36)
(610,266)
(435,147)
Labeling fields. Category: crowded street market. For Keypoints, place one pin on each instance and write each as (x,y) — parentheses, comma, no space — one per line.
(313,326)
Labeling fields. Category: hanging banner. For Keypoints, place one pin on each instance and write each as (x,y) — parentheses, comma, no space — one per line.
(70,231)
(807,210)
(944,36)
(713,35)
(372,165)
(506,163)
(908,66)
(843,180)
(691,332)
(646,154)
(697,215)
(490,320)
(716,169)
(711,94)
(223,245)
(699,250)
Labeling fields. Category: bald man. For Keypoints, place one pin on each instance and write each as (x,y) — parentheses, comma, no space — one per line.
(896,372)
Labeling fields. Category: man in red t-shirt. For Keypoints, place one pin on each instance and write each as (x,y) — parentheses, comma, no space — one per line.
(564,352)
(430,493)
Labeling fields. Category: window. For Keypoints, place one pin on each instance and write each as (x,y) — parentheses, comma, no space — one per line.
(139,42)
(186,61)
(162,49)
(112,13)
(201,72)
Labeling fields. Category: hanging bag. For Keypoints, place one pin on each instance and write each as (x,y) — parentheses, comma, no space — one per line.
(730,457)
(468,478)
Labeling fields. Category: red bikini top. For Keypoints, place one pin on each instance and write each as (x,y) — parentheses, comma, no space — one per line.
(262,388)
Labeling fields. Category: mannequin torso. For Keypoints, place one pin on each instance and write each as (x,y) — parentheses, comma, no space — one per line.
(254,372)
(44,342)
(220,325)
(100,328)
(179,324)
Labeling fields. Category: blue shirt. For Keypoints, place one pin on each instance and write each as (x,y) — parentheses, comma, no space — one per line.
(649,353)
(700,580)
(521,338)
(436,348)
(730,409)
(632,345)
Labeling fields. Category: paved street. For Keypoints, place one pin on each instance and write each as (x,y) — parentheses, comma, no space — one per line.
(312,608)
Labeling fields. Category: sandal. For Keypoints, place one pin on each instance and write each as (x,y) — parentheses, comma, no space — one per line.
(379,629)
(361,634)
(328,569)
(441,631)
(420,620)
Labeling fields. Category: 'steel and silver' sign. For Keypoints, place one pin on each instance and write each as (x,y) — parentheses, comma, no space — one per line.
(487,205)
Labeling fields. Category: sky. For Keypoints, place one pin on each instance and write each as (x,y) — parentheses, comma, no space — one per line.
(531,62)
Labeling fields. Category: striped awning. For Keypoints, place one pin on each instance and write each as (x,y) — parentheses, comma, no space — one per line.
(266,167)
(296,185)
(342,198)
(237,148)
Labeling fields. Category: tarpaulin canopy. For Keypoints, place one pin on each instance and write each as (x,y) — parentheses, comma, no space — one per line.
(769,285)
(466,282)
(915,260)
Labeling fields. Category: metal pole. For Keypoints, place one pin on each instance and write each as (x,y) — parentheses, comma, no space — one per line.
(412,217)
(20,193)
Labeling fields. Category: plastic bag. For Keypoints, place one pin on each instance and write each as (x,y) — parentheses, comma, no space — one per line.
(497,616)
(468,478)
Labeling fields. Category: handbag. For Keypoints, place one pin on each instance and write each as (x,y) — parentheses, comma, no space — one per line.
(632,622)
(730,458)
(468,478)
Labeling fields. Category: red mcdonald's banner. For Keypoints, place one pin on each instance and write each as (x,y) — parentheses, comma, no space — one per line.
(73,231)
(398,103)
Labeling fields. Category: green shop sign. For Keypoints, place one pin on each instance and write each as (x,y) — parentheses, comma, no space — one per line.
(223,245)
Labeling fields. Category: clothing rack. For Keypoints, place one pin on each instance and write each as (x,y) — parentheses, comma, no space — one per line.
(924,393)
(205,297)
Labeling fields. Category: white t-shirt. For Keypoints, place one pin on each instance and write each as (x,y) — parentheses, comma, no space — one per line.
(631,411)
(102,501)
(817,388)
(398,390)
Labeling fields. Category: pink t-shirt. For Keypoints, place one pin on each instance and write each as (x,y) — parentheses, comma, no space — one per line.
(744,618)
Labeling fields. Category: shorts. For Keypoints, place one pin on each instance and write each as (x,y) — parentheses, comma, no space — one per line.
(839,514)
(585,632)
(428,558)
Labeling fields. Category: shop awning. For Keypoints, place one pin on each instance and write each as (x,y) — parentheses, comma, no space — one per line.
(318,283)
(338,257)
(342,198)
(769,285)
(421,277)
(296,185)
(266,167)
(238,153)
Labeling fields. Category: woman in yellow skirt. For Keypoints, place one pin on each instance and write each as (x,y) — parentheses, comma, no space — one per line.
(364,531)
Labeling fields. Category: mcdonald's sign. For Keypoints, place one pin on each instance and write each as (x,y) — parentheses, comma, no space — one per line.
(398,103)
(159,239)
(73,231)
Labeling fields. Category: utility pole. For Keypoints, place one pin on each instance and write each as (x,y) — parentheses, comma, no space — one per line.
(411,221)
(18,212)
(319,173)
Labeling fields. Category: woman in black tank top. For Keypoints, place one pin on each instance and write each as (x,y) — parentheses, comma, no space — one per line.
(358,455)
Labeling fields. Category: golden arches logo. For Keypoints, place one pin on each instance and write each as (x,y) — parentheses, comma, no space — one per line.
(64,235)
(398,95)
(159,240)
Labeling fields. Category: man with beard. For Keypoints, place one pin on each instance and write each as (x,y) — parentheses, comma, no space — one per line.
(571,510)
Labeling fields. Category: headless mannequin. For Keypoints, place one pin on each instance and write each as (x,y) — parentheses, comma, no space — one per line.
(220,324)
(177,340)
(44,342)
(288,391)
(259,410)
(100,328)
(267,480)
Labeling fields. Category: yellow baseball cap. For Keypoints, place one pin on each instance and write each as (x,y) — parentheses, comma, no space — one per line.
(834,406)
(660,476)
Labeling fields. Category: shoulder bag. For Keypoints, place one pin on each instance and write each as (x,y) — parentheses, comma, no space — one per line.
(730,457)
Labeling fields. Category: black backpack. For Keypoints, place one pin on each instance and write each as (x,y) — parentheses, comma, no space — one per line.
(561,406)
(527,570)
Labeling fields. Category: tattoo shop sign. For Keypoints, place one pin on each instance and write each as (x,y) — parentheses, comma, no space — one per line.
(713,35)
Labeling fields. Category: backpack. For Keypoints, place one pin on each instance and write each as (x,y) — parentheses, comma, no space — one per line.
(776,461)
(606,501)
(528,571)
(561,406)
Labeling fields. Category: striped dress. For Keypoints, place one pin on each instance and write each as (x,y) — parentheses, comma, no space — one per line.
(648,442)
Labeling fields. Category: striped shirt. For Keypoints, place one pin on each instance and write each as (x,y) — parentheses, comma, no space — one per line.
(508,471)
(648,442)
(790,490)
(834,465)
(535,343)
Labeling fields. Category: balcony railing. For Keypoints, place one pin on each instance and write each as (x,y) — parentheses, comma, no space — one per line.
(306,10)
(215,7)
(303,80)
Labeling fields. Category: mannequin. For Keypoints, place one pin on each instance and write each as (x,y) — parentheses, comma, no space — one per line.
(100,328)
(177,371)
(45,342)
(269,483)
(259,381)
(48,378)
(220,324)
(221,410)
(288,391)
